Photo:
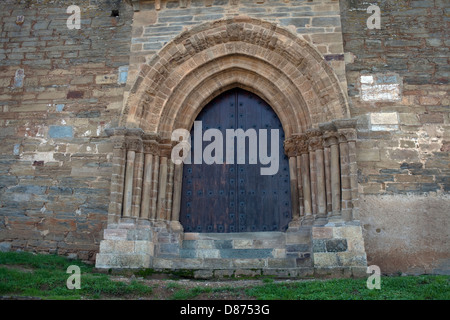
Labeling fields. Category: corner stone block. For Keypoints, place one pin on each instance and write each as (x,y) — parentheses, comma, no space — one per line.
(347,232)
(350,259)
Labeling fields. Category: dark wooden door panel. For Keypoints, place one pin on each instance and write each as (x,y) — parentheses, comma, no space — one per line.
(236,197)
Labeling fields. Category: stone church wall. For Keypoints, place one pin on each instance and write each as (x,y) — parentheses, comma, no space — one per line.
(60,89)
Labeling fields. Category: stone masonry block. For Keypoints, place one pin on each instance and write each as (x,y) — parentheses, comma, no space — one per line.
(144,247)
(242,244)
(249,263)
(115,234)
(169,248)
(322,233)
(282,263)
(204,244)
(208,253)
(223,244)
(107,246)
(336,245)
(124,246)
(325,259)
(384,118)
(189,244)
(364,155)
(298,237)
(131,261)
(319,245)
(262,244)
(60,132)
(188,253)
(279,253)
(297,248)
(348,259)
(245,253)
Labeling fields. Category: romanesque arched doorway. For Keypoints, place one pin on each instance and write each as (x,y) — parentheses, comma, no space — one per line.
(171,90)
(233,194)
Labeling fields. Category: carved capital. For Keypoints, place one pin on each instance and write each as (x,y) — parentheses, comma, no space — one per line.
(151,146)
(348,134)
(119,142)
(315,139)
(330,138)
(290,146)
(165,150)
(134,144)
(303,144)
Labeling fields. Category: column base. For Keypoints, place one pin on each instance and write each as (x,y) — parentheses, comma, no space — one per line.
(294,225)
(320,221)
(127,244)
(336,217)
(338,245)
(308,220)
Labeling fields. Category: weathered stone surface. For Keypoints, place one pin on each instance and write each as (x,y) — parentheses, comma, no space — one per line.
(325,259)
(60,91)
(5,246)
(336,245)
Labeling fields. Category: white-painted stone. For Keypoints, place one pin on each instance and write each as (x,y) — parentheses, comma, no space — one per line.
(384,118)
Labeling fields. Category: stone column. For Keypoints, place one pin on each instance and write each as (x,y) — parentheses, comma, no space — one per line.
(161,206)
(154,192)
(128,193)
(294,185)
(146,186)
(331,141)
(177,188)
(303,149)
(150,150)
(351,139)
(313,179)
(133,142)
(300,186)
(347,135)
(118,174)
(137,183)
(291,151)
(326,155)
(316,146)
(346,192)
(169,189)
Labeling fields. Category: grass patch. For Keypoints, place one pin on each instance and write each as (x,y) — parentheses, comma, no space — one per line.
(392,288)
(45,277)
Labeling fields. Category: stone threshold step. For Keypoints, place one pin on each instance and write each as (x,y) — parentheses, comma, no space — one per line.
(227,253)
(227,263)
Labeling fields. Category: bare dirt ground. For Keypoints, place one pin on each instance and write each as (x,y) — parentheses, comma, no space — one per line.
(164,289)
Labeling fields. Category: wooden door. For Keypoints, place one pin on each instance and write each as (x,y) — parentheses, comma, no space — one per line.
(236,197)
